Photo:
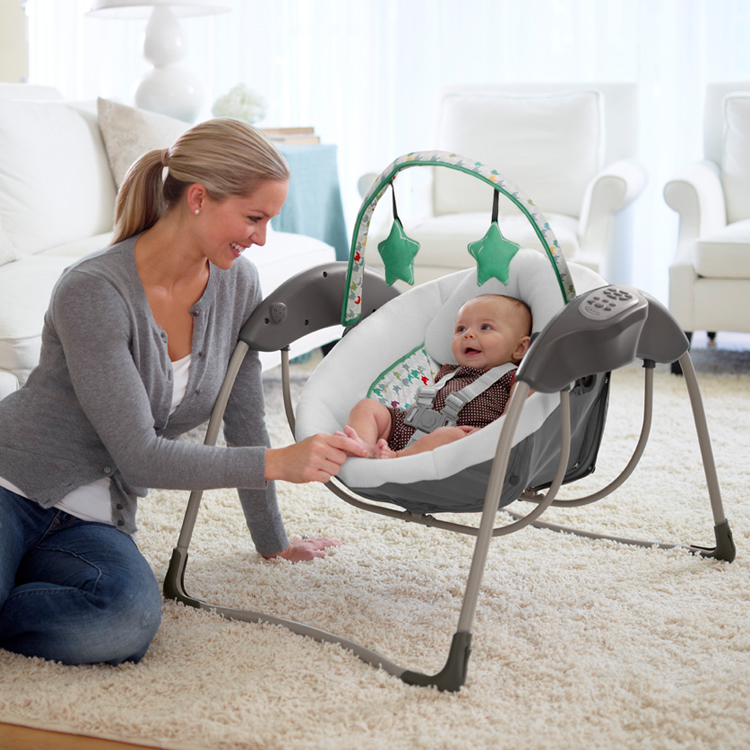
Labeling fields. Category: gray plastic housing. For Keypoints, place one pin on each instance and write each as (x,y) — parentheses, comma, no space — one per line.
(309,301)
(600,331)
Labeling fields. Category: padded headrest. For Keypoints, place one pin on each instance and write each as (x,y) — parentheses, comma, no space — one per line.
(532,280)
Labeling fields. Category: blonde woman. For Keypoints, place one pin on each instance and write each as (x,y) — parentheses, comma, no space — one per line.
(136,343)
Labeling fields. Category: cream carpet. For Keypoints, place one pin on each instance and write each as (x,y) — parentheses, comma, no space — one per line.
(577,643)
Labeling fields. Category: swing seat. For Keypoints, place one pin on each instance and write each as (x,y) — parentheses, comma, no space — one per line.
(413,334)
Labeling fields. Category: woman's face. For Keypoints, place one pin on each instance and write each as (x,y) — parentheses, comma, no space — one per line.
(229,227)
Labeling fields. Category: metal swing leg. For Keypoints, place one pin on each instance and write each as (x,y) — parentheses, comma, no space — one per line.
(725,547)
(453,675)
(174,582)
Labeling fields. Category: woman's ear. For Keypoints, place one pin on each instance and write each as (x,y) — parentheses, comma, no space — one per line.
(196,197)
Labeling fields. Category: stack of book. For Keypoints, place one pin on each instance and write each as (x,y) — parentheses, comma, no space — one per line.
(304,136)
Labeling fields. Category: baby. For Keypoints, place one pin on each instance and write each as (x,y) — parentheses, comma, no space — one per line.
(490,330)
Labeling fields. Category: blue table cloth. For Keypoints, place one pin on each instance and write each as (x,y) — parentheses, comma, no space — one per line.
(314,205)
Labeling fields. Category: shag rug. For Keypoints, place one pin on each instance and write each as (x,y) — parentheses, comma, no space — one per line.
(576,644)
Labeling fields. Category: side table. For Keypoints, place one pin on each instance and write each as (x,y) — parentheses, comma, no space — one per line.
(313,206)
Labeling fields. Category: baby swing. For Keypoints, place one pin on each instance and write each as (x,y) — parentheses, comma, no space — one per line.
(583,329)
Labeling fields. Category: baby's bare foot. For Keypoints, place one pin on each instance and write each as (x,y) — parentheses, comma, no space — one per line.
(350,432)
(383,450)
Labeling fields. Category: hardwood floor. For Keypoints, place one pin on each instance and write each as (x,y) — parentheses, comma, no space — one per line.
(13,737)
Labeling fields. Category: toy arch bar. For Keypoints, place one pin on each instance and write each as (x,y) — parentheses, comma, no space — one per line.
(351,310)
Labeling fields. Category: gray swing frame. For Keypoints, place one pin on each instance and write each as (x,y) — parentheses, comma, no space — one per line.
(571,349)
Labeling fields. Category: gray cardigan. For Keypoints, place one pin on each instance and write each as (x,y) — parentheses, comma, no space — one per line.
(98,403)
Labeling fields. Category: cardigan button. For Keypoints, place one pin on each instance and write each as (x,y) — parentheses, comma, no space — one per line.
(107,470)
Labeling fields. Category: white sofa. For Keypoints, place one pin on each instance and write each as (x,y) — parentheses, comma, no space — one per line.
(569,147)
(709,277)
(58,182)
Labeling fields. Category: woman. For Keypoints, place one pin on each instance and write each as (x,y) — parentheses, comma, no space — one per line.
(135,345)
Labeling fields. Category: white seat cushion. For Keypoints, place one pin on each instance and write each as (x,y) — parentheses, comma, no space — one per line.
(52,167)
(8,383)
(549,145)
(25,288)
(736,156)
(285,254)
(444,239)
(725,254)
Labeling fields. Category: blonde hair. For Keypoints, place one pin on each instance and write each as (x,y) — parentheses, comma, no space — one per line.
(228,157)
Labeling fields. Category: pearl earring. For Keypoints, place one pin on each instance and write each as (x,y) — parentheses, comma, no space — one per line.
(197,211)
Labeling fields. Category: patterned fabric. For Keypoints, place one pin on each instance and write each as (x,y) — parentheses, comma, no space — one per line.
(353,300)
(485,408)
(398,385)
(128,133)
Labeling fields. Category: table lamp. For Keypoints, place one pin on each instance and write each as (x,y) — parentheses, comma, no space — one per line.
(168,87)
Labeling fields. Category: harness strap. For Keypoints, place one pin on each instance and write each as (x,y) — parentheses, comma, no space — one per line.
(425,420)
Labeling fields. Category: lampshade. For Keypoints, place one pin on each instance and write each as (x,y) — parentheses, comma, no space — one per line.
(143,8)
(168,87)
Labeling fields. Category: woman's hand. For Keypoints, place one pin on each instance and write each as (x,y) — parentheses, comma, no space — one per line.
(302,549)
(315,459)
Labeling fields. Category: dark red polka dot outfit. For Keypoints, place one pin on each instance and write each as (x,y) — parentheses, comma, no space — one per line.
(479,412)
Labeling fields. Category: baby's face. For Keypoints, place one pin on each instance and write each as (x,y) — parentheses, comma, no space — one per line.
(488,333)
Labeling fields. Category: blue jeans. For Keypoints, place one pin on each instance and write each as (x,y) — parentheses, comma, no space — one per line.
(70,590)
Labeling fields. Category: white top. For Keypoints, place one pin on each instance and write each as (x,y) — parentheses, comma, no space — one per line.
(91,502)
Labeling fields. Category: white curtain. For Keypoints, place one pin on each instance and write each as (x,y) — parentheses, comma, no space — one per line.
(365,72)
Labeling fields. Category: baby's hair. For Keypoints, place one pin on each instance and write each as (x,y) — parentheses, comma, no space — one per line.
(519,304)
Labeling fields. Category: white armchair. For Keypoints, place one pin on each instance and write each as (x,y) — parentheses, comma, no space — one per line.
(569,147)
(709,278)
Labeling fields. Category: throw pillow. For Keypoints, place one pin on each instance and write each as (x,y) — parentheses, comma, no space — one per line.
(736,157)
(549,145)
(129,133)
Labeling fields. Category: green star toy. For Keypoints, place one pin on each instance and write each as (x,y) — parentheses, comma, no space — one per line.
(493,254)
(398,252)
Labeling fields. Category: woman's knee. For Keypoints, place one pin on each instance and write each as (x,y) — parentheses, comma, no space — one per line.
(131,613)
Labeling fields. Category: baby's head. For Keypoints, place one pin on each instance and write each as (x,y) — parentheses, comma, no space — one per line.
(490,330)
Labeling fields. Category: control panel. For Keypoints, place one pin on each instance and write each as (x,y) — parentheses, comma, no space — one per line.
(607,303)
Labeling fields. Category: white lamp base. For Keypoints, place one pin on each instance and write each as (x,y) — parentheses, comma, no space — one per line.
(167,88)
(170,90)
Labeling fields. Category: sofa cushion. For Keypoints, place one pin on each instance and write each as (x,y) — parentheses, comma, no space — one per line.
(736,156)
(550,146)
(725,254)
(52,165)
(25,288)
(8,383)
(80,248)
(129,133)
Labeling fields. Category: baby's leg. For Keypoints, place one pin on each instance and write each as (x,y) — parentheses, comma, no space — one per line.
(369,421)
(441,436)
